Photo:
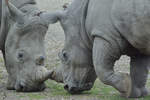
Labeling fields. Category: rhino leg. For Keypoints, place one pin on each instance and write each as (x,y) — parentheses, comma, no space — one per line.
(104,57)
(139,73)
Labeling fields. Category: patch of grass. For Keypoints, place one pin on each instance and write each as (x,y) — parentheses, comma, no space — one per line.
(99,90)
(22,96)
(56,89)
(34,96)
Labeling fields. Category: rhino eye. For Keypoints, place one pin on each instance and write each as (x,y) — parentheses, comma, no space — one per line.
(63,56)
(20,56)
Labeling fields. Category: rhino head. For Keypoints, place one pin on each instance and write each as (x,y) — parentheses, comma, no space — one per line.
(77,71)
(24,52)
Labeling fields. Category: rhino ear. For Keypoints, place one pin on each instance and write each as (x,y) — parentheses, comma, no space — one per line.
(16,14)
(51,18)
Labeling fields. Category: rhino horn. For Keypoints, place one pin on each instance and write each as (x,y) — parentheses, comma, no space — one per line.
(56,74)
(52,17)
(16,14)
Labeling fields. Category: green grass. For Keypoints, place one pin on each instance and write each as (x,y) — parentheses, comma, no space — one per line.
(56,89)
(31,95)
(99,90)
(34,96)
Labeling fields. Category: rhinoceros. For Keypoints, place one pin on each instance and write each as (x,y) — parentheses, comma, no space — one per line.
(97,33)
(22,32)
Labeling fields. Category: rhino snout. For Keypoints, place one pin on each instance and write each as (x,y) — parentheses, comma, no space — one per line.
(34,83)
(71,89)
(76,89)
(29,87)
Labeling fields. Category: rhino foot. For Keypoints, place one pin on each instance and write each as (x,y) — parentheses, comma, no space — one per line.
(131,91)
(138,92)
(124,86)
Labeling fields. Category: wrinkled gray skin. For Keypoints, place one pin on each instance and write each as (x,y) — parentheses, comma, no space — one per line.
(23,28)
(97,33)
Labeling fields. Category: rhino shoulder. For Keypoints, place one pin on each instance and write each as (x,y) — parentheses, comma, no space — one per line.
(131,18)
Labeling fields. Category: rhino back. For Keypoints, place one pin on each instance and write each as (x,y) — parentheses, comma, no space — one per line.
(132,19)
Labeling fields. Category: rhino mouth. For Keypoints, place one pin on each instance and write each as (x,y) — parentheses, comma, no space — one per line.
(34,83)
(23,87)
(79,89)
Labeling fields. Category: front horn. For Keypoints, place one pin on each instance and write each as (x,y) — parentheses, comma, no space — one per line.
(53,17)
(16,14)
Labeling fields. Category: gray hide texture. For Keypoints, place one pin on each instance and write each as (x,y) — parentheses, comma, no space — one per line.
(22,35)
(0,11)
(97,33)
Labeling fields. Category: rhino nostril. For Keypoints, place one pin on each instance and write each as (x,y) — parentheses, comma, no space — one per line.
(66,87)
(40,60)
(70,89)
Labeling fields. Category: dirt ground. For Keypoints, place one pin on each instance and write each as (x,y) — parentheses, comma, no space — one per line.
(53,43)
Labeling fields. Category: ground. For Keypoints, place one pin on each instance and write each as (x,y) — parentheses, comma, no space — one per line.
(54,91)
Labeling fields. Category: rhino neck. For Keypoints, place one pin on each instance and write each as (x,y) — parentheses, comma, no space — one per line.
(78,11)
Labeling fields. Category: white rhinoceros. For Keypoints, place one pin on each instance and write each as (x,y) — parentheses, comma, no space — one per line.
(22,32)
(97,33)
